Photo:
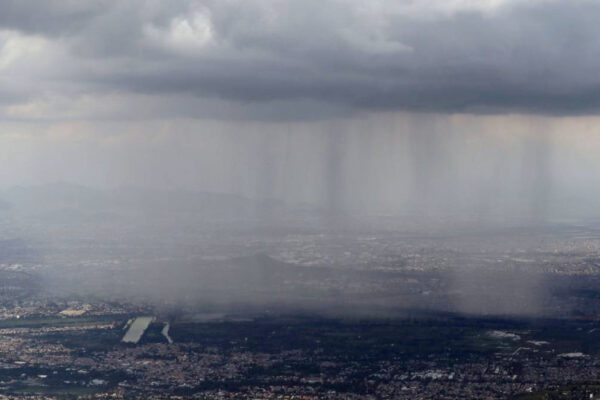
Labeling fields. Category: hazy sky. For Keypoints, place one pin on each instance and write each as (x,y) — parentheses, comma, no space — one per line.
(190,93)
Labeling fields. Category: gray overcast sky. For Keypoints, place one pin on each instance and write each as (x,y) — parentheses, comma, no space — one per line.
(275,59)
(464,101)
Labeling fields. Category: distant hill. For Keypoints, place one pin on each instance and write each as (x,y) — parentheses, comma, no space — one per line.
(5,205)
(69,201)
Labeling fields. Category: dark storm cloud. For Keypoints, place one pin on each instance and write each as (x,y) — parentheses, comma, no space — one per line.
(516,56)
(49,17)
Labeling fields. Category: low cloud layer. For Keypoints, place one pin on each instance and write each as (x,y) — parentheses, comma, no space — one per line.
(270,59)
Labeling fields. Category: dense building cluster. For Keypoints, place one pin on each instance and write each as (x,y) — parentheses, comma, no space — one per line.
(342,314)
